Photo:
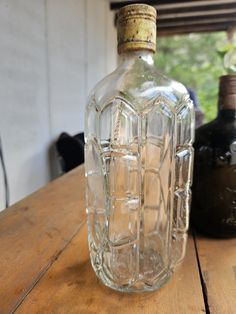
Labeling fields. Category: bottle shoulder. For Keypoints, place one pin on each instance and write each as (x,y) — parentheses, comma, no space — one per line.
(217,126)
(217,133)
(139,84)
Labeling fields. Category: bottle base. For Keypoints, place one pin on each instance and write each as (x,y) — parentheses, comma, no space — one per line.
(136,286)
(214,230)
(215,235)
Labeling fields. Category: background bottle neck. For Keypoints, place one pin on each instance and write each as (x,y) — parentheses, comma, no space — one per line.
(227,107)
(227,113)
(227,102)
(227,96)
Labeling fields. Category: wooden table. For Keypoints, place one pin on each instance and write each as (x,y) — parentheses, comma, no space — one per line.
(45,266)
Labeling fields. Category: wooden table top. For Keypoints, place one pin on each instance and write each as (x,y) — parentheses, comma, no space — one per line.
(45,267)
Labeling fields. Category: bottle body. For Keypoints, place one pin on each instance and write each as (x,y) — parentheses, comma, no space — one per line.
(138,157)
(214,185)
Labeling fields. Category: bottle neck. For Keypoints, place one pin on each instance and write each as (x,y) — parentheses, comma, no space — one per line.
(227,97)
(226,101)
(130,57)
(136,28)
(227,107)
(226,114)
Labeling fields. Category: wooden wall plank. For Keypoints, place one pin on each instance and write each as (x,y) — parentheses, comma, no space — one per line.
(218,265)
(66,34)
(34,231)
(111,42)
(43,81)
(70,286)
(96,41)
(24,121)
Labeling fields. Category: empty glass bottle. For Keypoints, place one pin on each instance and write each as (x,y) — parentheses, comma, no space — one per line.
(214,185)
(138,156)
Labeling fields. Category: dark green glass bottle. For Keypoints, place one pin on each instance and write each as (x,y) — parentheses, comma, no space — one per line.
(214,181)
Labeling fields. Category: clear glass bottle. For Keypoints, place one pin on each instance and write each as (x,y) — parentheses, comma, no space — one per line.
(214,185)
(138,159)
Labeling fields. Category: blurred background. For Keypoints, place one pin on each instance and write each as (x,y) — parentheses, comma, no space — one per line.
(195,60)
(53,52)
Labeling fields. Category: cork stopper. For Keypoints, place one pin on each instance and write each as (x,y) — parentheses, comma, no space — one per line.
(136,28)
(227,92)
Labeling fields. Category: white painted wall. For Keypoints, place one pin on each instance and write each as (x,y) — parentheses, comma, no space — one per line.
(52,52)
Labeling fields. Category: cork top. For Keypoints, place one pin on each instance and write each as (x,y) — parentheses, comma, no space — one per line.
(136,28)
(227,92)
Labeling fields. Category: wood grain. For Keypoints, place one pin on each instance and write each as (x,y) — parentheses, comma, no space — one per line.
(70,286)
(34,232)
(218,265)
